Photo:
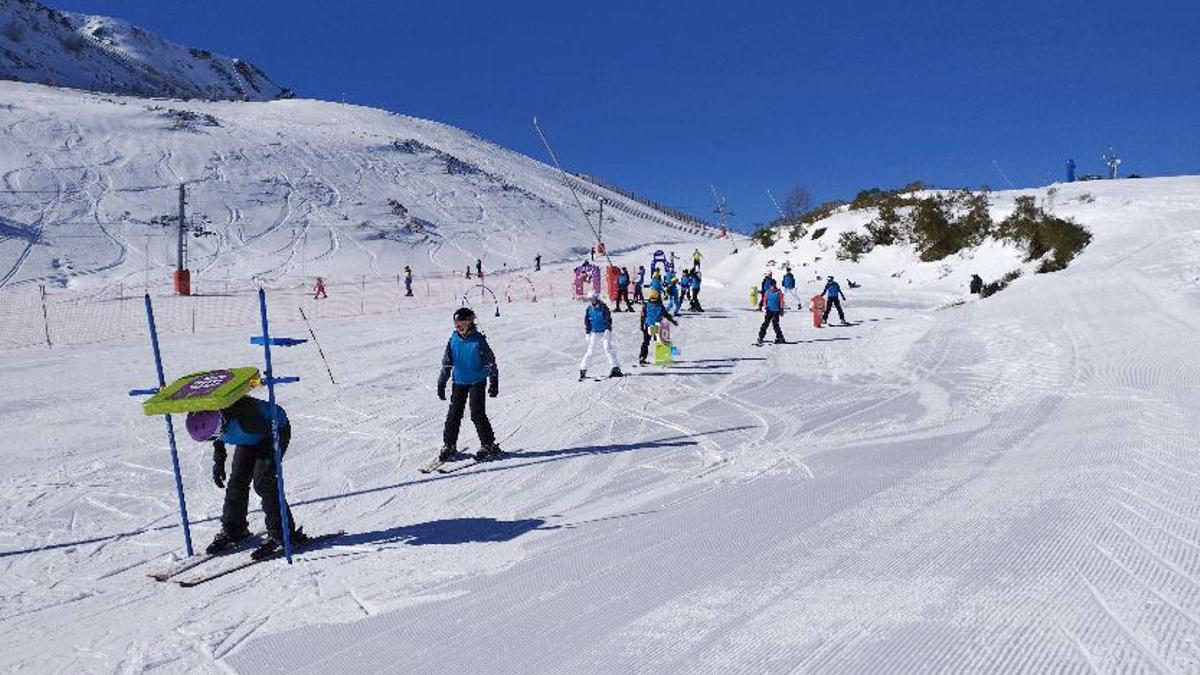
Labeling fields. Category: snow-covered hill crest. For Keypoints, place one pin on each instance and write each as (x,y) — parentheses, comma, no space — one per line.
(97,53)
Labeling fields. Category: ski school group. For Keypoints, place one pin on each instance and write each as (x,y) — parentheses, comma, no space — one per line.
(469,375)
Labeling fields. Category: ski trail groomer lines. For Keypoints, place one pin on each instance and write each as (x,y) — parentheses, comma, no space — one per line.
(597,328)
(247,425)
(469,361)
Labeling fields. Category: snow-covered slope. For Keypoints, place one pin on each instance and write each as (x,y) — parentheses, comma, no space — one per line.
(1009,485)
(98,53)
(274,188)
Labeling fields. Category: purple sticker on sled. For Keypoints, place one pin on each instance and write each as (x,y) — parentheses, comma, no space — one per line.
(203,385)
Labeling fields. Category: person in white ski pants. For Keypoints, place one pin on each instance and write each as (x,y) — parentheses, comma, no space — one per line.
(597,326)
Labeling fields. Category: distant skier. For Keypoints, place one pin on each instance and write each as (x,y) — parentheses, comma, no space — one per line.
(653,312)
(768,280)
(673,293)
(772,309)
(789,280)
(695,306)
(597,327)
(247,426)
(696,256)
(623,291)
(408,281)
(468,271)
(832,292)
(537,263)
(319,289)
(638,284)
(479,268)
(976,284)
(469,364)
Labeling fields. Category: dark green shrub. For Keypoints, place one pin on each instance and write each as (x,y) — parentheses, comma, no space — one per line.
(933,229)
(883,234)
(1041,234)
(1000,284)
(818,233)
(852,245)
(764,236)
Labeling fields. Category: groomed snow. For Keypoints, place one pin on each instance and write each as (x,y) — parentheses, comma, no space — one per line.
(1008,485)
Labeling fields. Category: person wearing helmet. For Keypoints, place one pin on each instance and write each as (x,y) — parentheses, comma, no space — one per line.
(247,426)
(623,291)
(772,310)
(652,313)
(695,306)
(768,279)
(638,284)
(597,327)
(831,292)
(469,365)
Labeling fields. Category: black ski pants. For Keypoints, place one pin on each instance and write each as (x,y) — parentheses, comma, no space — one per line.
(459,395)
(645,350)
(623,294)
(830,303)
(255,464)
(770,319)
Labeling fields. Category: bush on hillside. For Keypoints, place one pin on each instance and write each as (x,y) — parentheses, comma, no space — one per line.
(1054,240)
(818,233)
(933,229)
(883,233)
(994,287)
(764,236)
(852,245)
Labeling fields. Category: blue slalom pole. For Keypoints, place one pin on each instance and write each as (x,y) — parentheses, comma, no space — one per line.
(162,382)
(269,378)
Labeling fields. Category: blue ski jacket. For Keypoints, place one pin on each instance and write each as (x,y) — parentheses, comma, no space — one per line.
(789,281)
(248,421)
(774,300)
(654,312)
(832,290)
(596,318)
(469,360)
(623,280)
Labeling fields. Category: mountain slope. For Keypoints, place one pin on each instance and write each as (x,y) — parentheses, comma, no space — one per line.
(274,189)
(97,53)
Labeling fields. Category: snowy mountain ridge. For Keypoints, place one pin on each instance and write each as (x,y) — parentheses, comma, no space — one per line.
(98,53)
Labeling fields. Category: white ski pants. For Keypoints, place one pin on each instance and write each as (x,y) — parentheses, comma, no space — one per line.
(603,340)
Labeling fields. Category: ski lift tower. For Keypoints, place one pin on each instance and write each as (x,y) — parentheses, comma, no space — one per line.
(1113,160)
(722,209)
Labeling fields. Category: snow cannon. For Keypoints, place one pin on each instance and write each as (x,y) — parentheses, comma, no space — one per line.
(207,390)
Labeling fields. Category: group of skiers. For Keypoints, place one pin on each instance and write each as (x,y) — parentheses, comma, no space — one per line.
(469,369)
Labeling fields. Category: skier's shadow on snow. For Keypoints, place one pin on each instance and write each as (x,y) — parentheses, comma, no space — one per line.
(449,532)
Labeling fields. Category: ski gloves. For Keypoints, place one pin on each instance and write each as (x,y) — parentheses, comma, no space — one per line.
(219,464)
(493,386)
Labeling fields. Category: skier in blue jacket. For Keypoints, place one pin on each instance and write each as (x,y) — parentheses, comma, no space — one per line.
(772,310)
(470,365)
(597,328)
(653,312)
(623,291)
(832,292)
(768,279)
(247,426)
(695,306)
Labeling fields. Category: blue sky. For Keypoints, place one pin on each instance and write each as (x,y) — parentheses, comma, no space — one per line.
(666,98)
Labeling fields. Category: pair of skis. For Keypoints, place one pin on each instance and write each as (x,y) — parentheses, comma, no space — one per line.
(176,573)
(450,467)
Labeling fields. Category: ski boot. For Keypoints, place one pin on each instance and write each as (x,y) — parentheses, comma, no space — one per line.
(582,375)
(225,541)
(616,372)
(273,547)
(488,452)
(447,453)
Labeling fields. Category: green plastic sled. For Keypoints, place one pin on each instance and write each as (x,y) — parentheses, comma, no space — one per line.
(209,390)
(662,354)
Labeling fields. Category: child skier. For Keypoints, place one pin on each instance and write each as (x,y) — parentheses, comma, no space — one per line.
(597,327)
(407,281)
(470,363)
(247,425)
(695,306)
(623,291)
(637,286)
(653,312)
(831,292)
(773,309)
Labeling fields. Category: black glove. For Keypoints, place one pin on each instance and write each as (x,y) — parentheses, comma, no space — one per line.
(218,471)
(442,390)
(493,388)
